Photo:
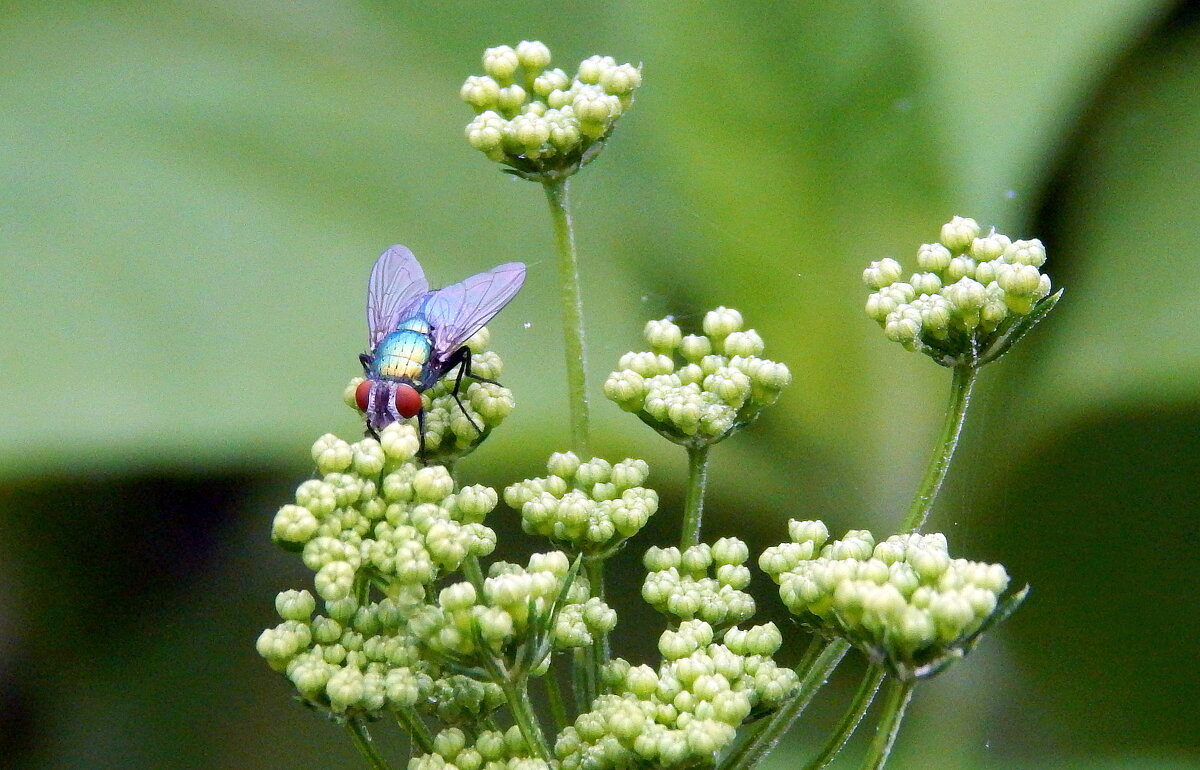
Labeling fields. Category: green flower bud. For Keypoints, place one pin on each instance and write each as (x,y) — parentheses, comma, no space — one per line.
(345,688)
(882,273)
(922,283)
(695,347)
(533,55)
(293,525)
(990,246)
(1030,252)
(663,336)
(501,63)
(933,257)
(720,323)
(958,233)
(400,442)
(334,580)
(480,92)
(621,80)
(331,454)
(549,81)
(960,267)
(1021,280)
(592,69)
(295,605)
(432,484)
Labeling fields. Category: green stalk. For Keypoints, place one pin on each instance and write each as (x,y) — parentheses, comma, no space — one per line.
(572,313)
(418,733)
(852,717)
(939,463)
(524,717)
(693,507)
(753,751)
(898,695)
(600,652)
(362,742)
(554,696)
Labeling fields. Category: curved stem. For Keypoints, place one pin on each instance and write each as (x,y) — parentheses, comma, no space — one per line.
(572,313)
(362,742)
(418,733)
(693,508)
(525,718)
(939,463)
(852,717)
(898,695)
(753,751)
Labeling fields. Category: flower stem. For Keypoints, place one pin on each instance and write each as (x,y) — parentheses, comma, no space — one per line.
(601,652)
(418,733)
(362,742)
(753,751)
(939,463)
(693,508)
(554,696)
(852,717)
(523,715)
(572,313)
(898,695)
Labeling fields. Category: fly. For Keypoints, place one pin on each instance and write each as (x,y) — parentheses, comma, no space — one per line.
(417,334)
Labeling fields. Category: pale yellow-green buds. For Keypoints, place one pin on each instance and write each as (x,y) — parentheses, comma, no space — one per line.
(542,123)
(973,298)
(904,601)
(691,394)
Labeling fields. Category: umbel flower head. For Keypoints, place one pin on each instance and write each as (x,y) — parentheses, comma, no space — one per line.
(679,583)
(451,432)
(904,602)
(696,389)
(971,299)
(688,710)
(590,507)
(542,123)
(378,531)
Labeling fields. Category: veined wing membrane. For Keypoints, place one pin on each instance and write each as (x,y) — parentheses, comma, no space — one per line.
(395,289)
(459,310)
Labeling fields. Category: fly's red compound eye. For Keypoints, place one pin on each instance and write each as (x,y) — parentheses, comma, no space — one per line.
(362,395)
(408,400)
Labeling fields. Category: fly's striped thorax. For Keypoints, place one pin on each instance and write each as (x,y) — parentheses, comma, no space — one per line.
(403,354)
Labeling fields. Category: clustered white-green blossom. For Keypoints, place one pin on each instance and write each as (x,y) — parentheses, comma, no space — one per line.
(587,507)
(490,750)
(678,584)
(378,531)
(698,389)
(973,296)
(685,712)
(451,433)
(903,601)
(542,122)
(520,614)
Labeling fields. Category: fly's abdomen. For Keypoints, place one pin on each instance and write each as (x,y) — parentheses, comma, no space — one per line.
(402,355)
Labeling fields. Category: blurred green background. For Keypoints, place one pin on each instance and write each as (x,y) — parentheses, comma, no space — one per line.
(192,194)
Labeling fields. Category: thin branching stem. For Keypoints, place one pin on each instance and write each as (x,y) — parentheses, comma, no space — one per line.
(939,462)
(572,313)
(898,695)
(754,750)
(851,719)
(362,742)
(693,507)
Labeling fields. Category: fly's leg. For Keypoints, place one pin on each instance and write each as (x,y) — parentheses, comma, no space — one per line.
(462,359)
(421,435)
(366,359)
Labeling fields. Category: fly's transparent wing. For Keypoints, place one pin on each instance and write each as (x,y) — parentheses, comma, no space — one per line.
(458,311)
(396,287)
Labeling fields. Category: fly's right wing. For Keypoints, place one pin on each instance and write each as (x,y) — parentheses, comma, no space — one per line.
(458,311)
(395,290)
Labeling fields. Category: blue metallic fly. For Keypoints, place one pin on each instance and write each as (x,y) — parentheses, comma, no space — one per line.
(417,334)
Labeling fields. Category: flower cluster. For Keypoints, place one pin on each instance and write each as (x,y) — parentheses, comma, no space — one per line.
(450,432)
(490,750)
(587,507)
(686,711)
(903,601)
(678,583)
(973,297)
(513,622)
(541,122)
(377,530)
(698,389)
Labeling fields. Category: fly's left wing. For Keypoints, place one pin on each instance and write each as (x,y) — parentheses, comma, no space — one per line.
(394,291)
(458,311)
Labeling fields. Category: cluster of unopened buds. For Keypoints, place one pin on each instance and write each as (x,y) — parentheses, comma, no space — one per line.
(452,432)
(587,507)
(686,711)
(374,521)
(679,584)
(972,297)
(541,121)
(698,389)
(905,602)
